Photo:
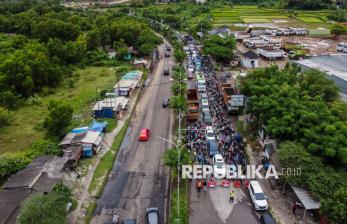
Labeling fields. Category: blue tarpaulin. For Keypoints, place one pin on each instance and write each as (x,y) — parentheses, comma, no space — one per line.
(79,130)
(97,126)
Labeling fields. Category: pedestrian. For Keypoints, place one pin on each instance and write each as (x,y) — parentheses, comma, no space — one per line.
(295,206)
(205,185)
(232,196)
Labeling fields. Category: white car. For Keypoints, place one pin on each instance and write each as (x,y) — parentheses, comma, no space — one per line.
(257,195)
(210,134)
(219,168)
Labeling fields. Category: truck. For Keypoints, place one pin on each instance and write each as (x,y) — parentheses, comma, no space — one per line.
(235,103)
(192,101)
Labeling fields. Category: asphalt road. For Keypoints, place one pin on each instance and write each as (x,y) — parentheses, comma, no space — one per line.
(139,177)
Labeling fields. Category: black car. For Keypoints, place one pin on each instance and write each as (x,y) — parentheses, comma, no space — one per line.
(266,218)
(152,215)
(166,71)
(166,102)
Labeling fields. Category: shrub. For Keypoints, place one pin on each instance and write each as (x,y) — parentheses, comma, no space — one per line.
(4,116)
(12,162)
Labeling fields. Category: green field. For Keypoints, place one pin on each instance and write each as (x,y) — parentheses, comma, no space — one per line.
(253,14)
(25,127)
(309,19)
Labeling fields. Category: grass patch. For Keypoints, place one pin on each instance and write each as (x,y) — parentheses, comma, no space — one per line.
(111,123)
(310,19)
(90,212)
(183,204)
(240,127)
(106,163)
(24,128)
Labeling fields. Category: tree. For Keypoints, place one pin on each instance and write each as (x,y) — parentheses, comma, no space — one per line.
(59,118)
(335,206)
(171,157)
(338,29)
(179,55)
(178,102)
(220,48)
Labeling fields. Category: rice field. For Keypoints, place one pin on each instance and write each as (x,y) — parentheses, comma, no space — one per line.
(253,14)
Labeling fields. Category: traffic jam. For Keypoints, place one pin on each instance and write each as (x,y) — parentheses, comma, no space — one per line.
(213,103)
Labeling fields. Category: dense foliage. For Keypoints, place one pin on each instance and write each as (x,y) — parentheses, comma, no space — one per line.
(300,106)
(220,48)
(43,40)
(327,184)
(50,208)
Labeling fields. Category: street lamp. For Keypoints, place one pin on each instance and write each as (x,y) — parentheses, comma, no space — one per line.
(179,147)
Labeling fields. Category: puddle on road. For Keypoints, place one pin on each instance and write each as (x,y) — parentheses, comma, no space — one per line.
(122,153)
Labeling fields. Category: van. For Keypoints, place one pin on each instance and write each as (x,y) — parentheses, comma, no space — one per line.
(212,148)
(257,196)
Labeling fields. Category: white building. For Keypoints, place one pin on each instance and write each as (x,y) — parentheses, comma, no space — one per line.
(250,60)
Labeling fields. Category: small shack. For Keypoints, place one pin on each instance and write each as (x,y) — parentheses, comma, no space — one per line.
(140,63)
(128,83)
(250,59)
(111,107)
(91,143)
(306,199)
(270,53)
(72,155)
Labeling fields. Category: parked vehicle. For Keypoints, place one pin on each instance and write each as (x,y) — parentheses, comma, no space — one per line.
(266,218)
(167,54)
(204,105)
(257,195)
(168,48)
(201,85)
(190,75)
(152,215)
(212,148)
(219,169)
(144,134)
(166,102)
(210,133)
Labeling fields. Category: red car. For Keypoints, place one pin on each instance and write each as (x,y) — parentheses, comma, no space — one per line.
(144,134)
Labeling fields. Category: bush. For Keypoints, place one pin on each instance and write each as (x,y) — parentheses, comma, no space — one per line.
(43,147)
(50,208)
(4,116)
(12,162)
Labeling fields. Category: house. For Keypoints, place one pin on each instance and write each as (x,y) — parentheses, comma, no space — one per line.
(270,53)
(140,63)
(333,65)
(91,143)
(250,59)
(111,107)
(72,139)
(222,31)
(39,176)
(128,83)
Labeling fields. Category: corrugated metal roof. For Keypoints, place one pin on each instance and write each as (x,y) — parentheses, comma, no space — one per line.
(306,199)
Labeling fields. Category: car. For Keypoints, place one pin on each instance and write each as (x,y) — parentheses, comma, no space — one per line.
(219,169)
(168,48)
(190,75)
(257,196)
(266,218)
(152,215)
(166,102)
(129,221)
(167,54)
(144,134)
(166,71)
(210,133)
(212,148)
(203,96)
(206,117)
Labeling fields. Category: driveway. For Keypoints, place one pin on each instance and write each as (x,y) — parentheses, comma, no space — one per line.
(139,178)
